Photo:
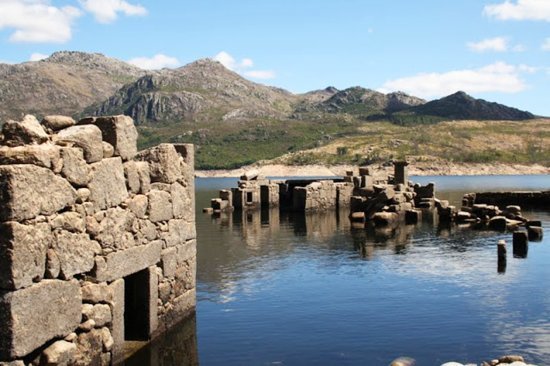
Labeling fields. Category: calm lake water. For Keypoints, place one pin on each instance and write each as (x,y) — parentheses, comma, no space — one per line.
(280,289)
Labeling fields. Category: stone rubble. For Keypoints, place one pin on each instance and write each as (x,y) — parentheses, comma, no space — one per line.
(82,215)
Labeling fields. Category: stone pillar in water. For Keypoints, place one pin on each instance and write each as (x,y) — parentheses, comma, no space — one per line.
(401,175)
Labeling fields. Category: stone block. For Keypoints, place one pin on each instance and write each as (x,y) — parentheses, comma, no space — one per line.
(520,244)
(53,266)
(144,178)
(182,202)
(89,346)
(32,316)
(535,233)
(22,254)
(27,131)
(159,206)
(56,123)
(99,313)
(178,232)
(75,169)
(45,155)
(182,307)
(87,137)
(117,323)
(60,353)
(185,277)
(385,218)
(27,191)
(186,251)
(138,205)
(75,252)
(120,132)
(164,163)
(121,264)
(153,282)
(97,293)
(107,185)
(113,231)
(108,150)
(169,262)
(70,221)
(132,176)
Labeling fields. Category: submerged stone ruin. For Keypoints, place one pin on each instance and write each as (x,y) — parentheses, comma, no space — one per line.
(97,240)
(386,202)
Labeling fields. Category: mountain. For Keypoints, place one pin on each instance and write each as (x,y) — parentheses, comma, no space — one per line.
(462,106)
(232,121)
(360,100)
(202,91)
(64,83)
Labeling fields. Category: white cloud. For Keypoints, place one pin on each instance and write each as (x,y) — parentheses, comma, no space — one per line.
(497,77)
(243,66)
(497,44)
(37,56)
(156,62)
(260,74)
(519,48)
(546,44)
(37,21)
(519,10)
(106,11)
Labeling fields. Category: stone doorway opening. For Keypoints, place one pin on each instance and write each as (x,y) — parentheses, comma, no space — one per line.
(136,312)
(249,198)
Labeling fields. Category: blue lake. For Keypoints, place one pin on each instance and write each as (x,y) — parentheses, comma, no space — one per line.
(280,289)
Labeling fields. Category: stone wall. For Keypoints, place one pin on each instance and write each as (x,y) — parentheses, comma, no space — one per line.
(96,239)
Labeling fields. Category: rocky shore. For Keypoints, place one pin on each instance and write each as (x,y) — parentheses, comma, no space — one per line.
(418,169)
(508,360)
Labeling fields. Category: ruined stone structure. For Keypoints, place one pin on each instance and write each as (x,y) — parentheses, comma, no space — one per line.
(97,241)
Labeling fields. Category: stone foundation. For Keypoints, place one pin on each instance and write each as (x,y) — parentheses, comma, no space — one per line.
(97,240)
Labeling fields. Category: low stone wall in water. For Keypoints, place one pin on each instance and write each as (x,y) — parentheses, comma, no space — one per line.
(97,241)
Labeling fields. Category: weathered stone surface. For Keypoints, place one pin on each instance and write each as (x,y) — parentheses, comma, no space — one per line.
(13,363)
(87,137)
(41,155)
(117,324)
(123,263)
(114,229)
(120,132)
(53,266)
(70,221)
(144,177)
(182,307)
(164,163)
(88,348)
(159,206)
(535,233)
(107,340)
(186,251)
(99,313)
(60,353)
(27,131)
(97,293)
(27,191)
(76,253)
(22,254)
(56,123)
(178,232)
(145,231)
(87,325)
(185,276)
(32,316)
(169,262)
(75,168)
(107,186)
(108,150)
(138,205)
(153,291)
(182,204)
(132,176)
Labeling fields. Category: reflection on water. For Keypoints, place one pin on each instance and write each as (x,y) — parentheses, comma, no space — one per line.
(300,289)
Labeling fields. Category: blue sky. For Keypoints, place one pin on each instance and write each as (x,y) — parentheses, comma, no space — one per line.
(495,49)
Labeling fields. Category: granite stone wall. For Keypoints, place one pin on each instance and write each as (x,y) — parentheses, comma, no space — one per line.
(97,240)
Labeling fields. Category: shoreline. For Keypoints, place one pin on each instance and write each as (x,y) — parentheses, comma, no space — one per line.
(416,169)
